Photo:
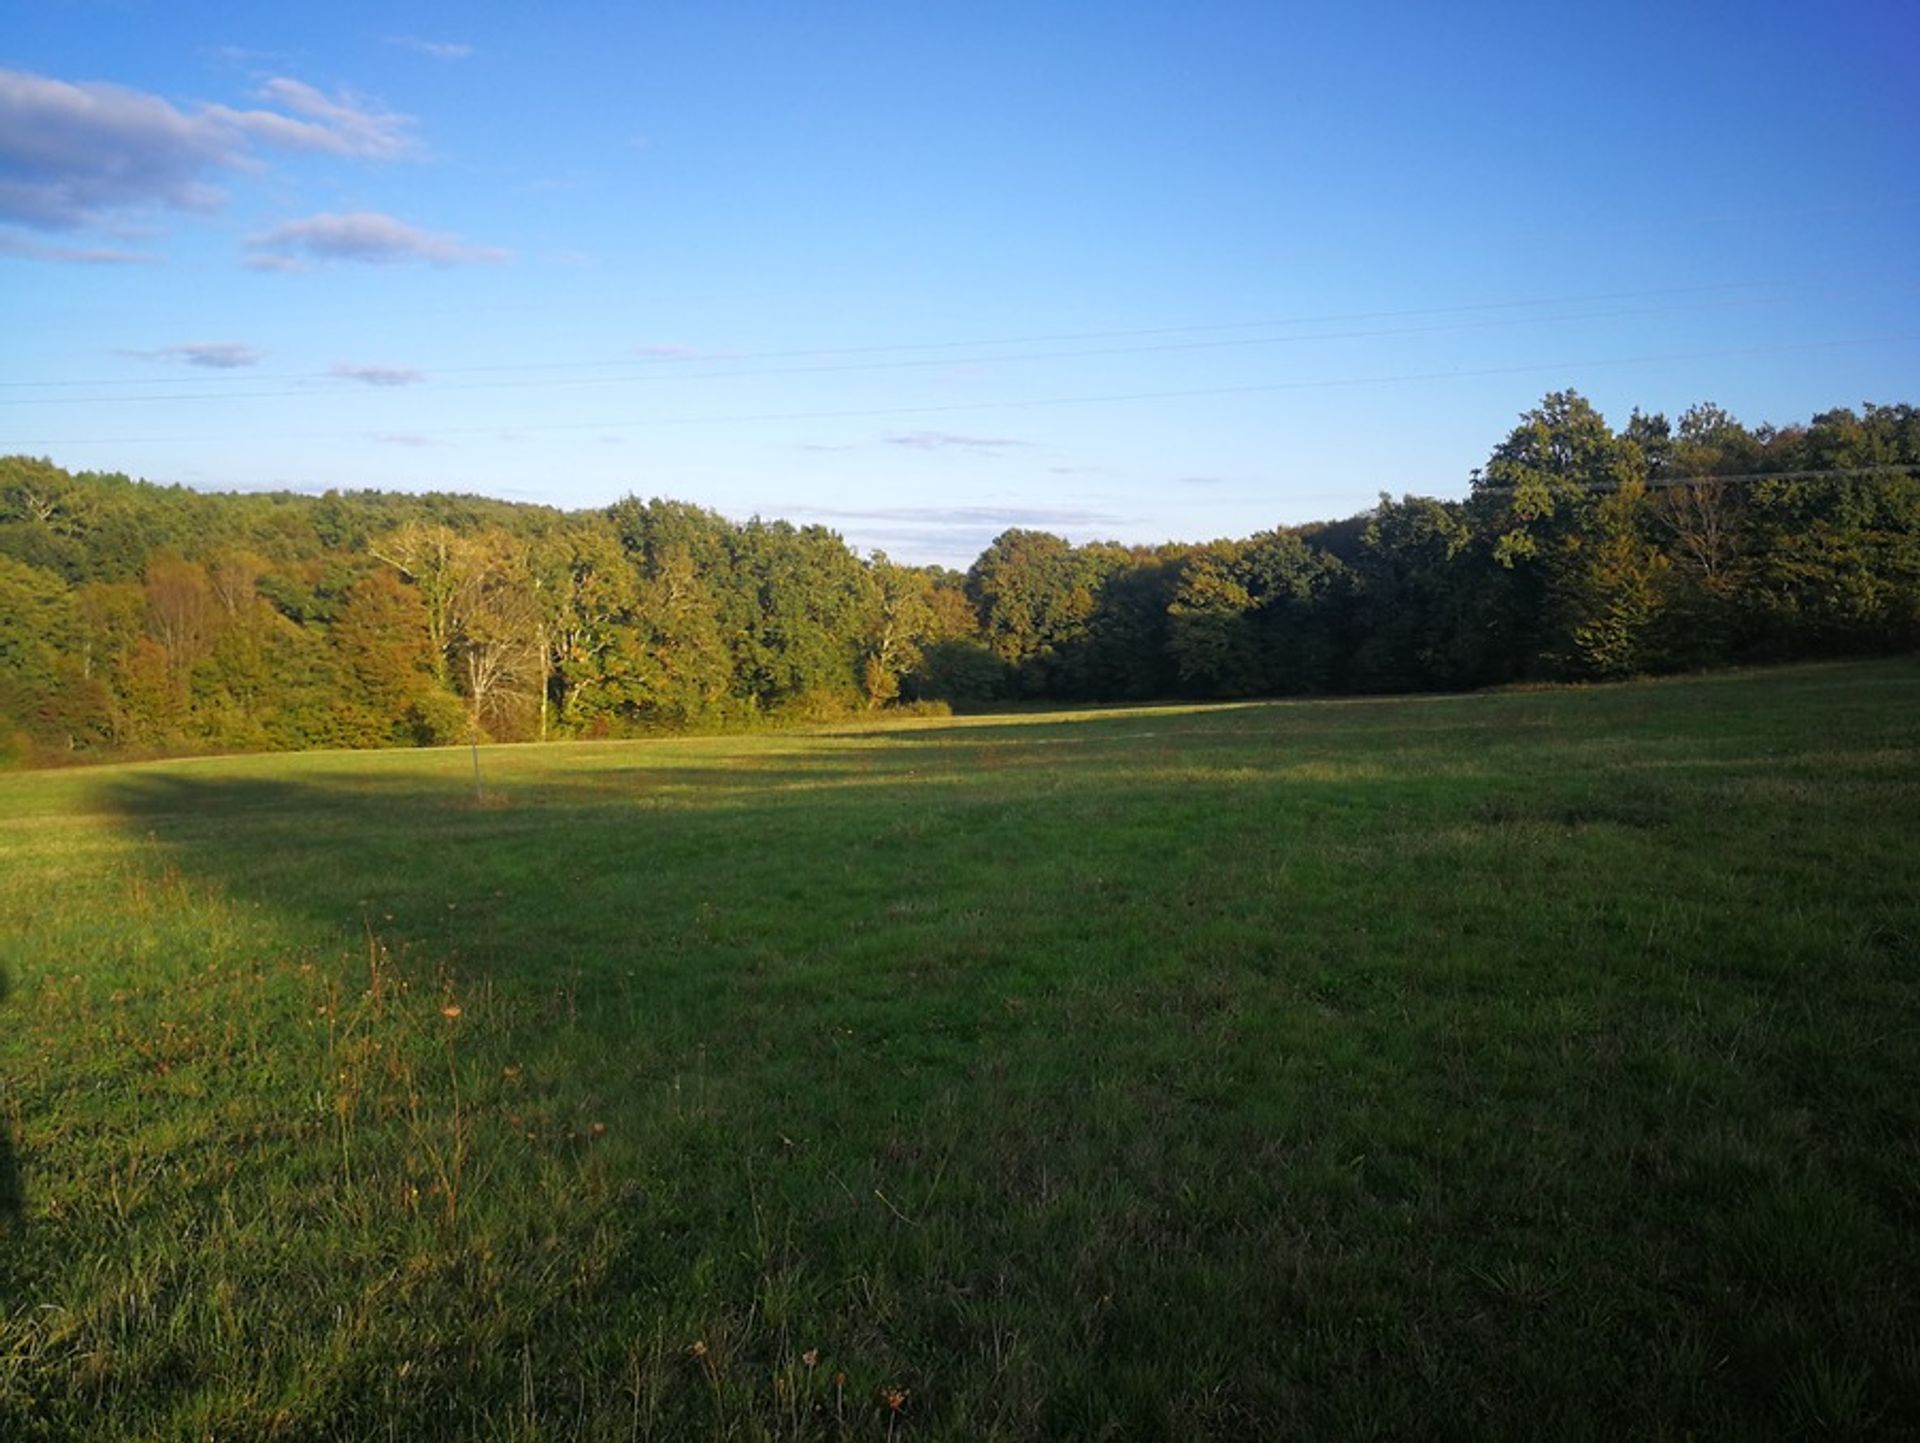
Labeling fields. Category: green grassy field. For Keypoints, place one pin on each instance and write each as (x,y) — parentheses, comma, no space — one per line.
(1524,1065)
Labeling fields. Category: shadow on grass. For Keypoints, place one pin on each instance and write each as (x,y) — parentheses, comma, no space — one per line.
(617,860)
(775,852)
(13,1192)
(761,909)
(1313,1065)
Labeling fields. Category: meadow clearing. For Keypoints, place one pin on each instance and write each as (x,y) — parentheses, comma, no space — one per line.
(1533,1064)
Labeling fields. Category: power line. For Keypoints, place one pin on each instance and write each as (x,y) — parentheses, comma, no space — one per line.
(950,408)
(948,345)
(894,365)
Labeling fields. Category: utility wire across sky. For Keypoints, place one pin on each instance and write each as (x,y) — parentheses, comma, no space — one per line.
(949,408)
(344,387)
(668,363)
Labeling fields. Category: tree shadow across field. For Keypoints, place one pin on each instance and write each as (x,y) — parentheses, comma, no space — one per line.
(994,1020)
(576,855)
(937,901)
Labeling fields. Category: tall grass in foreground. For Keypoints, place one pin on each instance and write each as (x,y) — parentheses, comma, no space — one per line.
(1504,1066)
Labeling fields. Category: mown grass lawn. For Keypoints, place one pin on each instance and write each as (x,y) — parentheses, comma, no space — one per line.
(1522,1065)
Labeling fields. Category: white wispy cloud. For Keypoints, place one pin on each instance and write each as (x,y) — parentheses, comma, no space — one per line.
(70,154)
(402,438)
(948,546)
(309,119)
(76,154)
(432,49)
(366,237)
(212,355)
(953,535)
(970,516)
(376,375)
(246,55)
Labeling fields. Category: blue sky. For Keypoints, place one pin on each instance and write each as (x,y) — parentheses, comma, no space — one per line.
(921,272)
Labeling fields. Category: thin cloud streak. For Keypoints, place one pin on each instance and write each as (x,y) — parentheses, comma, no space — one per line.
(1002,516)
(210,355)
(363,237)
(433,49)
(246,55)
(947,441)
(944,534)
(957,546)
(340,124)
(375,375)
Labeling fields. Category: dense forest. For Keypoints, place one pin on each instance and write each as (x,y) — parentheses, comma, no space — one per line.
(136,617)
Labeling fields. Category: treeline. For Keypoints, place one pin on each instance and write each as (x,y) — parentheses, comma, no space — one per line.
(136,617)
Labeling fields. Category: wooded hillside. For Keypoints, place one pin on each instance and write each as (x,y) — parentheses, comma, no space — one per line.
(140,617)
